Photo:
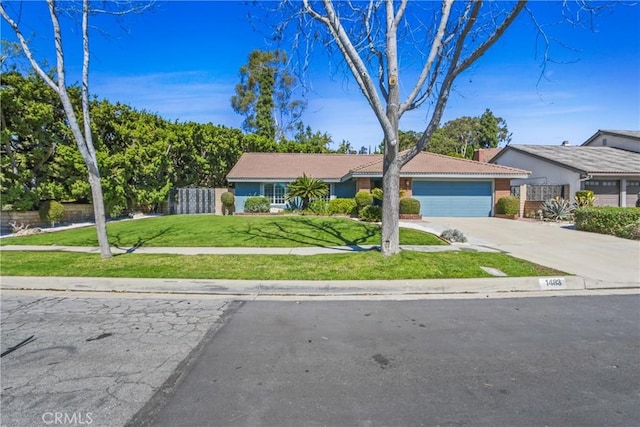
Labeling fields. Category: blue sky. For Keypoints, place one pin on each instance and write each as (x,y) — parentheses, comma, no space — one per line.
(181,60)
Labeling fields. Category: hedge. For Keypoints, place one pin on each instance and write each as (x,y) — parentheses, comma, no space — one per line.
(509,205)
(621,222)
(257,204)
(410,206)
(342,206)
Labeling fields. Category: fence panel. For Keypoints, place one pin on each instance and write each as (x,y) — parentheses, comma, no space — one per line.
(544,192)
(192,200)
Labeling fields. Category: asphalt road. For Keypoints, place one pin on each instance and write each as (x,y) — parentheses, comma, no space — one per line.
(93,361)
(564,361)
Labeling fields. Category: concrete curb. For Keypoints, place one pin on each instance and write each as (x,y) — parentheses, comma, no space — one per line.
(307,288)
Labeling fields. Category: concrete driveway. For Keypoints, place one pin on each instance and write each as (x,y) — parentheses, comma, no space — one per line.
(597,257)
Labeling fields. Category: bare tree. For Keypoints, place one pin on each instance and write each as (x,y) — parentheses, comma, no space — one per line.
(82,136)
(376,36)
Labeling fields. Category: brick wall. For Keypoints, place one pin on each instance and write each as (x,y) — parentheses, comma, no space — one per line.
(502,188)
(364,184)
(73,213)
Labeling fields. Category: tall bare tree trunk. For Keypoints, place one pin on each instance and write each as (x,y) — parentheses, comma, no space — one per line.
(84,140)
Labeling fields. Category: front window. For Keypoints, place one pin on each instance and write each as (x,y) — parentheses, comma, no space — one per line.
(275,192)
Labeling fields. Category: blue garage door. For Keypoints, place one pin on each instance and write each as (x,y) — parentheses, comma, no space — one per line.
(451,198)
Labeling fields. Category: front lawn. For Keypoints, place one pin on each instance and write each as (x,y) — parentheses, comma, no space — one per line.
(369,265)
(228,231)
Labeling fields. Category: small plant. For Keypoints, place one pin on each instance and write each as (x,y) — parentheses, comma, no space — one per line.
(363,199)
(51,211)
(371,213)
(453,236)
(257,204)
(342,206)
(584,199)
(557,209)
(228,203)
(410,206)
(319,207)
(509,205)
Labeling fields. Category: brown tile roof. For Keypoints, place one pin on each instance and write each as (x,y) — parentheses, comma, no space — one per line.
(431,163)
(288,166)
(292,165)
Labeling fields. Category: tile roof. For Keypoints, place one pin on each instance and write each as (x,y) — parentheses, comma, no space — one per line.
(288,166)
(592,160)
(292,165)
(425,163)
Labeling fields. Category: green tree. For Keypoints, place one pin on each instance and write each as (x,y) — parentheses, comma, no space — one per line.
(306,140)
(264,95)
(306,188)
(461,136)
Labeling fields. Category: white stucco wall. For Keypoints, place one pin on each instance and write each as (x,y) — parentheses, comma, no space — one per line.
(616,141)
(542,172)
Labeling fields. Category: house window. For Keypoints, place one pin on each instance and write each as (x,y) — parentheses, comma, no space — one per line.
(275,192)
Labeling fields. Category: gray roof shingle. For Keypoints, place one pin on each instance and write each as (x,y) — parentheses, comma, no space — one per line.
(591,160)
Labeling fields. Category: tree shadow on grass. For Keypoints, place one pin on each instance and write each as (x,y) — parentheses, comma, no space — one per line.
(141,241)
(319,233)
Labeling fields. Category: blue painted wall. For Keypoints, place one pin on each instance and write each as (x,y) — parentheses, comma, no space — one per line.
(345,189)
(244,190)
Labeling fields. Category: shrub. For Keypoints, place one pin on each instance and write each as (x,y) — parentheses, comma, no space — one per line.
(453,236)
(319,207)
(371,213)
(306,188)
(557,209)
(509,205)
(342,206)
(621,222)
(363,198)
(584,199)
(51,211)
(257,204)
(409,205)
(378,194)
(228,202)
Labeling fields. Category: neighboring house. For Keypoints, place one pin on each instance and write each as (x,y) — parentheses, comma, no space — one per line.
(608,163)
(445,186)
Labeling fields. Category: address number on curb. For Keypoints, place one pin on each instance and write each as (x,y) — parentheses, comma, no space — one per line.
(553,283)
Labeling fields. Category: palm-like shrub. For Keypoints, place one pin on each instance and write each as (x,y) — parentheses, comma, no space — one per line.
(557,209)
(306,188)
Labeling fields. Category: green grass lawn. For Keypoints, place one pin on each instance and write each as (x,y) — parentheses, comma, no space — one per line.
(228,231)
(353,266)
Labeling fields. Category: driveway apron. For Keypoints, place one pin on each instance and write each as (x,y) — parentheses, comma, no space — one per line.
(593,256)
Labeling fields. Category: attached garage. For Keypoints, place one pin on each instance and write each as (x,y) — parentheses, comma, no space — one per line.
(454,198)
(633,191)
(607,192)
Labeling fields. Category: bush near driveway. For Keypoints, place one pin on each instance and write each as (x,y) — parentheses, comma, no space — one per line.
(620,222)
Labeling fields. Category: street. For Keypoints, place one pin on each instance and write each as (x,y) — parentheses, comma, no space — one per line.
(570,361)
(93,361)
(114,360)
